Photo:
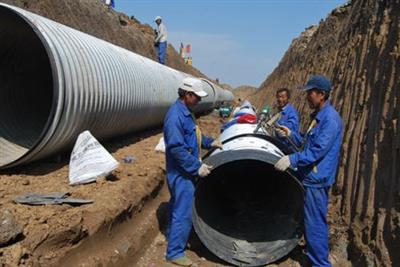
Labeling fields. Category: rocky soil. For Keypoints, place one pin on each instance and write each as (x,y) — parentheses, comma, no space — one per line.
(358,47)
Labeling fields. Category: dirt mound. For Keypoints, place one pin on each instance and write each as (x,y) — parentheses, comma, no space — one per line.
(95,18)
(244,92)
(358,47)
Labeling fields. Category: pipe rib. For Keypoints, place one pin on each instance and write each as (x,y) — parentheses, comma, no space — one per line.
(56,82)
(246,212)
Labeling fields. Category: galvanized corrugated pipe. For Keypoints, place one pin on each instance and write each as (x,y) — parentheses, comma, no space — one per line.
(246,212)
(56,82)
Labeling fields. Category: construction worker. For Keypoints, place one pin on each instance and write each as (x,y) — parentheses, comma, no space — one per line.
(110,3)
(288,114)
(161,39)
(183,141)
(316,164)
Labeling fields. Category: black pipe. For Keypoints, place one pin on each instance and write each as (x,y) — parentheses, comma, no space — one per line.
(246,212)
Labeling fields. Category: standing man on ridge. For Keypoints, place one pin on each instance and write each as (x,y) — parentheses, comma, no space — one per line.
(161,39)
(183,141)
(316,163)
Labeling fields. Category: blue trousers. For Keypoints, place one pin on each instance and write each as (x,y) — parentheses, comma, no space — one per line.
(316,226)
(180,215)
(162,51)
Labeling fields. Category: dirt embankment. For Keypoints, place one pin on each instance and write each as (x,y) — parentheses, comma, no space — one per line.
(244,92)
(358,47)
(95,18)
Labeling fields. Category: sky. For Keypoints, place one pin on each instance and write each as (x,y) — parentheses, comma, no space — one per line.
(240,42)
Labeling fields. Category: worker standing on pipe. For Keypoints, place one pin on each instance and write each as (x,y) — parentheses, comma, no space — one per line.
(161,39)
(316,163)
(288,114)
(183,141)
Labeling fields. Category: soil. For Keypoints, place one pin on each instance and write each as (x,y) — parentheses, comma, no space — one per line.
(49,232)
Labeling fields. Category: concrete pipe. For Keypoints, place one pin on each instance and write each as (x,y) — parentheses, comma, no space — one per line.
(56,82)
(246,212)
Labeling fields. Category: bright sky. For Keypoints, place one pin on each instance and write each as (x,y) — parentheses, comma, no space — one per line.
(238,41)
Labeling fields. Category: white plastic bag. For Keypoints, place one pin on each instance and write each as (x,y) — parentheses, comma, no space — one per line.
(89,160)
(161,145)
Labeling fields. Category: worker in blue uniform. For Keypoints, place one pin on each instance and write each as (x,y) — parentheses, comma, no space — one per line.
(288,115)
(183,141)
(316,164)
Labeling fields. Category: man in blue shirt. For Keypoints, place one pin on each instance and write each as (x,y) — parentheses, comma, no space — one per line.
(183,141)
(316,164)
(288,115)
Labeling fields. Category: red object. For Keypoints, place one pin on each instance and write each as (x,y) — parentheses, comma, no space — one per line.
(247,118)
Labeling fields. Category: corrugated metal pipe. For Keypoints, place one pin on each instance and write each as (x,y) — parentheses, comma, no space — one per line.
(56,82)
(246,212)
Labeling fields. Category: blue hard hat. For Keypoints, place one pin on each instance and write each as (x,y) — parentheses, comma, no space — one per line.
(317,82)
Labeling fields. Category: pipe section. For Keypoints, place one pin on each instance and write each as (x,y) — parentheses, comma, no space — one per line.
(56,82)
(246,212)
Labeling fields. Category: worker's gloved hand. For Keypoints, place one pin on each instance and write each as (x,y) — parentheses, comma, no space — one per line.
(204,170)
(216,144)
(283,131)
(283,164)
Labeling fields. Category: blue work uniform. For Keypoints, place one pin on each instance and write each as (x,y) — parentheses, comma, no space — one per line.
(317,165)
(182,164)
(162,51)
(290,119)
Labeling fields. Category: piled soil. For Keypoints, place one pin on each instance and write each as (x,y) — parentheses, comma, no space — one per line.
(244,92)
(92,234)
(357,46)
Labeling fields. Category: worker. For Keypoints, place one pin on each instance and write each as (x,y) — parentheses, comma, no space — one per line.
(288,115)
(161,39)
(316,165)
(110,3)
(183,141)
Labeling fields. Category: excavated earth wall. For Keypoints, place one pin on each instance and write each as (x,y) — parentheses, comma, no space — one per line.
(358,47)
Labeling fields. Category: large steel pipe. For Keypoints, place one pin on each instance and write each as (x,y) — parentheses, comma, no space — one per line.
(56,82)
(246,212)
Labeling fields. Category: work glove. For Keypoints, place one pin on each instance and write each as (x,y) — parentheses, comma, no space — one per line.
(283,131)
(283,164)
(216,144)
(204,170)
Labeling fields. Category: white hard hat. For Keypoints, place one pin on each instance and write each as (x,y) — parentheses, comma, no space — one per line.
(190,84)
(157,18)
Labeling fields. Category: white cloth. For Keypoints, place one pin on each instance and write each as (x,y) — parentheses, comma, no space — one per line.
(162,33)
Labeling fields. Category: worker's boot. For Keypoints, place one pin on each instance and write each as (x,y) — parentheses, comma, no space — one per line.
(182,261)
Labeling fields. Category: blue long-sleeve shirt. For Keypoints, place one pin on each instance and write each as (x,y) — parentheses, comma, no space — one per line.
(290,119)
(181,147)
(317,162)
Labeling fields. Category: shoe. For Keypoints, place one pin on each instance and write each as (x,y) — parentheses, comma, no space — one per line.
(182,261)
